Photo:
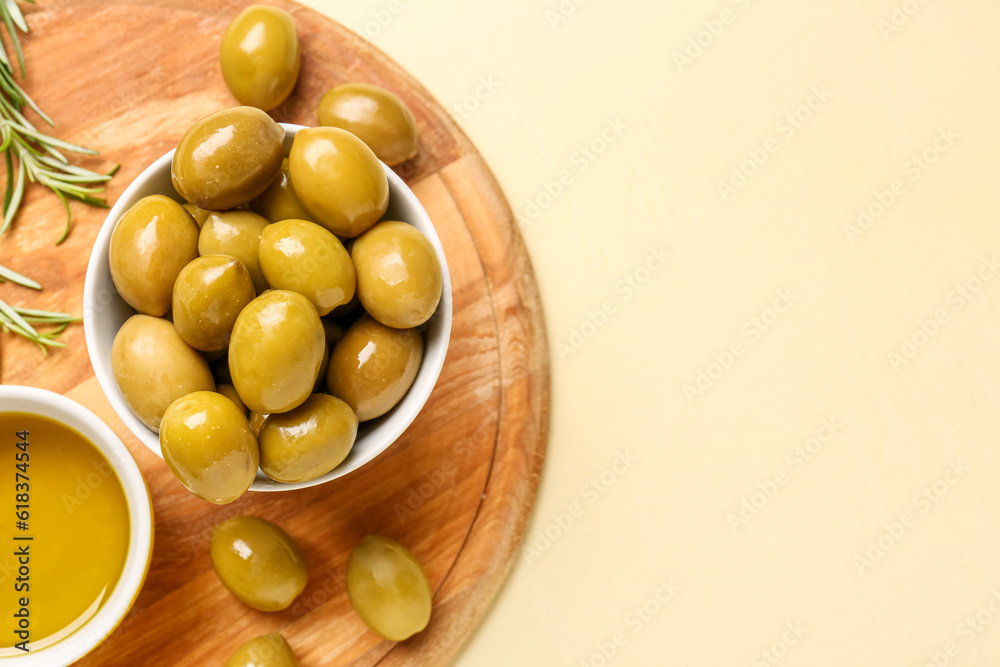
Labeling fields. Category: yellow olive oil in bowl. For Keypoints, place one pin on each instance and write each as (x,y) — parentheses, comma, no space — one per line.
(76,529)
(65,537)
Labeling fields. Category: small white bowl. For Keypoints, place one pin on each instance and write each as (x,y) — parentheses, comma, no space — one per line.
(40,402)
(104,312)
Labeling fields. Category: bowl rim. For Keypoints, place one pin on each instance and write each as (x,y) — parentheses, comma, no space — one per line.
(392,425)
(70,414)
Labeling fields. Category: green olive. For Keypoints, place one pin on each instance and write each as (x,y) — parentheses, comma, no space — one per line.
(257,421)
(237,234)
(399,274)
(303,257)
(268,651)
(227,158)
(209,294)
(208,445)
(338,179)
(372,368)
(199,214)
(152,242)
(309,441)
(276,351)
(325,364)
(388,588)
(260,56)
(258,562)
(376,116)
(154,367)
(229,391)
(279,202)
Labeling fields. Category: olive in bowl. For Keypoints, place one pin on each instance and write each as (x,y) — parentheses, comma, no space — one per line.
(105,311)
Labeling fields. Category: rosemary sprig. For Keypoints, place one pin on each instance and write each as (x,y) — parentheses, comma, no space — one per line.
(31,156)
(20,321)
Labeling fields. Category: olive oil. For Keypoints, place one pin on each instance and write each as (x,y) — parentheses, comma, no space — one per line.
(64,532)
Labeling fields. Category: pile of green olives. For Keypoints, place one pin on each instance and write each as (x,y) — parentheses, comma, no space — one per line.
(262,340)
(276,309)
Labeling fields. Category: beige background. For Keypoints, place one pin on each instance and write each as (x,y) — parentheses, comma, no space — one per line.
(780,440)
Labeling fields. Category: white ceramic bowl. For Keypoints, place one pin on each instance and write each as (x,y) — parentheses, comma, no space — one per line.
(58,408)
(104,312)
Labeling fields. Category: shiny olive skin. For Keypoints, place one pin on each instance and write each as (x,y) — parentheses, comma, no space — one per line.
(268,651)
(228,158)
(209,294)
(208,445)
(154,367)
(309,441)
(399,274)
(258,562)
(229,391)
(279,202)
(276,351)
(237,234)
(372,368)
(388,588)
(199,214)
(338,180)
(152,242)
(321,378)
(259,56)
(376,116)
(303,257)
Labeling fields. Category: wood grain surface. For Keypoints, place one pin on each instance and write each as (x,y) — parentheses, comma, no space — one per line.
(127,78)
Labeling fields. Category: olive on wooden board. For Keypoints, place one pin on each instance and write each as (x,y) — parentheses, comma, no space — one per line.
(258,562)
(376,116)
(259,56)
(268,651)
(388,588)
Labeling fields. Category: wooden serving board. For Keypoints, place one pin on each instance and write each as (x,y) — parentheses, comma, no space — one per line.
(127,78)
